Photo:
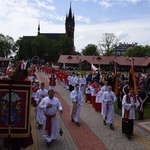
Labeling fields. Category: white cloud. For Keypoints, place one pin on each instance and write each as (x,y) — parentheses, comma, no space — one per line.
(105,3)
(20,18)
(82,19)
(129,31)
(133,1)
(122,35)
(45,4)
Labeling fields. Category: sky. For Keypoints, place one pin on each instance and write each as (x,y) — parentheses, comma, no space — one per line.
(129,20)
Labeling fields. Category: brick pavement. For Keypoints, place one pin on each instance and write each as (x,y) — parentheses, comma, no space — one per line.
(92,134)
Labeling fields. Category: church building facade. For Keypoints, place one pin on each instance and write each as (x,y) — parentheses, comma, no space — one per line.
(69,28)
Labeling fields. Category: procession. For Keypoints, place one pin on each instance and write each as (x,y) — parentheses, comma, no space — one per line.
(95,89)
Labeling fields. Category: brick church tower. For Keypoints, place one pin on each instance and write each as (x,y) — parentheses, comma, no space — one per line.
(70,26)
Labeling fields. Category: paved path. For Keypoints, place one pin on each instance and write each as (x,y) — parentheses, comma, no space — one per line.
(92,135)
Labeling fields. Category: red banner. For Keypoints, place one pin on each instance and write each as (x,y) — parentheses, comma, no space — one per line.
(15,99)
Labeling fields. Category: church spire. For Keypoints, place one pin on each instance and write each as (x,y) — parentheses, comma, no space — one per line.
(70,25)
(70,16)
(70,12)
(39,28)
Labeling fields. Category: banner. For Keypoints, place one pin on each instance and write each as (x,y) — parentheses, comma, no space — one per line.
(93,68)
(15,98)
(116,82)
(132,78)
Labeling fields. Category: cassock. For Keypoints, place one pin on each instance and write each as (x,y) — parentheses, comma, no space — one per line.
(52,82)
(142,98)
(40,94)
(98,101)
(128,113)
(88,92)
(77,101)
(95,88)
(108,108)
(50,119)
(82,83)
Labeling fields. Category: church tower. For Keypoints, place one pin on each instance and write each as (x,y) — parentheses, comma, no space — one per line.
(69,26)
(39,28)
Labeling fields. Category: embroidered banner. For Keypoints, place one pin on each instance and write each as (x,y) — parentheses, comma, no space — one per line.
(15,99)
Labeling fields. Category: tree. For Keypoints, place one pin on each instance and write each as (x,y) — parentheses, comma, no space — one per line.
(138,51)
(108,43)
(66,45)
(18,45)
(90,49)
(54,51)
(46,49)
(7,46)
(39,46)
(29,47)
(24,48)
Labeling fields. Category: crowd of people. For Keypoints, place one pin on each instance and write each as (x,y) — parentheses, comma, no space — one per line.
(96,88)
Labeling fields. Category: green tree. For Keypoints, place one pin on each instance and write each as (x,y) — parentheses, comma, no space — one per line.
(29,47)
(46,49)
(108,43)
(24,48)
(39,46)
(90,49)
(138,51)
(54,51)
(7,46)
(18,45)
(65,45)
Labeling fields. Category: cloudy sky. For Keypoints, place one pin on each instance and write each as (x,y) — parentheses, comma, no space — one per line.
(129,20)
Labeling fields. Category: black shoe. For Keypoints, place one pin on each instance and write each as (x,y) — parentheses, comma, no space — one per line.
(72,119)
(129,137)
(111,127)
(104,122)
(40,126)
(48,144)
(131,134)
(77,123)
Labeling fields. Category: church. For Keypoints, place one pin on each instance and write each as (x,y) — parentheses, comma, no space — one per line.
(69,28)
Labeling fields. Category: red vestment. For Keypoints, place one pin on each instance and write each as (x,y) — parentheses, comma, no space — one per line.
(52,81)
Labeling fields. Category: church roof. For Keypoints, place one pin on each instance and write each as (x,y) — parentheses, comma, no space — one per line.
(50,36)
(28,37)
(53,36)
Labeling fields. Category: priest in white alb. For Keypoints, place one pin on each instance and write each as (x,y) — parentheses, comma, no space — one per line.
(50,105)
(108,107)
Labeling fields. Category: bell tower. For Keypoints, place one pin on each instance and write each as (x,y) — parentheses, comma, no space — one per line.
(69,26)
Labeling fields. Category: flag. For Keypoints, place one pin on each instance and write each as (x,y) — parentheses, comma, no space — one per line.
(8,68)
(93,68)
(132,78)
(116,84)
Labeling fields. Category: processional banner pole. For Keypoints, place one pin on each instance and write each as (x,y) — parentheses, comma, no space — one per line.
(9,116)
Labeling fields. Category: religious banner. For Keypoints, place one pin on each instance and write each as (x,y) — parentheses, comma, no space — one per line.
(116,80)
(132,78)
(15,102)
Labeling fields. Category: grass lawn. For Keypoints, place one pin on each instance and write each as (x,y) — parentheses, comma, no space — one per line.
(146,111)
